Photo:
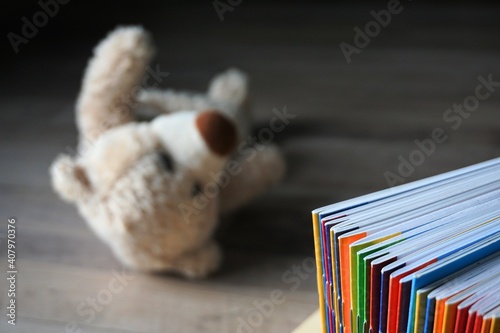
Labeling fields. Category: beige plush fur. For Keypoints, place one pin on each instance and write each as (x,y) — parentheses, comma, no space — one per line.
(153,191)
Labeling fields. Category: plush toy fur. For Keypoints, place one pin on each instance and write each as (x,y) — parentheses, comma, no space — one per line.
(153,191)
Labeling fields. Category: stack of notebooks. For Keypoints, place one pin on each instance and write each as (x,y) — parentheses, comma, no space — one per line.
(420,257)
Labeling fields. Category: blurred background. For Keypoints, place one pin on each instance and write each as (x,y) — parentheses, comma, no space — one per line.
(362,98)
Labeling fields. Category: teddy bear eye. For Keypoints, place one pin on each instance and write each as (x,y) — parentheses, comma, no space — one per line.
(166,162)
(196,190)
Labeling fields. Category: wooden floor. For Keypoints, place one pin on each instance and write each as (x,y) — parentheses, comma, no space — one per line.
(353,121)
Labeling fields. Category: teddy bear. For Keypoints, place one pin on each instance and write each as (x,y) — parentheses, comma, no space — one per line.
(153,189)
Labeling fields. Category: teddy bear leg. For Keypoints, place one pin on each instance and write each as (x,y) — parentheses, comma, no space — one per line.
(230,86)
(199,263)
(231,89)
(168,101)
(252,173)
(111,79)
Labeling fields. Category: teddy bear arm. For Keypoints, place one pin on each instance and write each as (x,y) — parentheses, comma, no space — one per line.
(256,173)
(69,179)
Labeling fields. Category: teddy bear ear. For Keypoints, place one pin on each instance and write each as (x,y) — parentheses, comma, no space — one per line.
(70,179)
(218,132)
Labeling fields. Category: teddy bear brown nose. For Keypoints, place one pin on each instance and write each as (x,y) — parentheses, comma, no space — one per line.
(218,132)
